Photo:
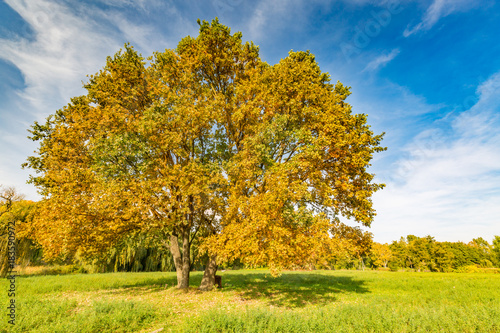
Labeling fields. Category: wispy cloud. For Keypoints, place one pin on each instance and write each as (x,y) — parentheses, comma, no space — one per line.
(66,43)
(275,15)
(381,60)
(437,10)
(449,180)
(64,48)
(139,4)
(395,110)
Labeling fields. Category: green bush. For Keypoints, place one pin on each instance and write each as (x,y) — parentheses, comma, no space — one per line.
(476,269)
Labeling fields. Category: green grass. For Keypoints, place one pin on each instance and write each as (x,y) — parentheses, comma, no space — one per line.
(253,301)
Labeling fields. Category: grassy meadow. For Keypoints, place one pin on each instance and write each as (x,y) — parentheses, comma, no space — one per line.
(253,301)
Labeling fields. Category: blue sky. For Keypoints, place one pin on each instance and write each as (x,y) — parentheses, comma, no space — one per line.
(427,72)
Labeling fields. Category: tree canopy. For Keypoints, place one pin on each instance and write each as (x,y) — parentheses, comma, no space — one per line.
(207,139)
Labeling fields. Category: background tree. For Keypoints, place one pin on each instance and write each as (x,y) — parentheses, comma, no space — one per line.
(483,250)
(15,216)
(443,257)
(421,250)
(399,250)
(496,250)
(380,254)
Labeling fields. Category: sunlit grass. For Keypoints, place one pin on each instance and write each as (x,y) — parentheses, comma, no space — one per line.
(253,301)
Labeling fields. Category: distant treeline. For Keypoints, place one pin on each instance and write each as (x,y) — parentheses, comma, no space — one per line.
(426,254)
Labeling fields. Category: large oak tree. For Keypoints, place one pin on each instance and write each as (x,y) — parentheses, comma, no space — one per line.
(206,140)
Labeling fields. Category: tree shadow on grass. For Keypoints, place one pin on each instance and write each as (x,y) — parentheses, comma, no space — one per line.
(154,283)
(292,289)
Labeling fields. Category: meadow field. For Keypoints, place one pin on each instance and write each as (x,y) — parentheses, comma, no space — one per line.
(253,301)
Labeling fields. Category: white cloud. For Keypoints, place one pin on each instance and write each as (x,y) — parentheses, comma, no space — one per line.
(139,4)
(437,10)
(67,42)
(381,60)
(449,183)
(271,16)
(138,35)
(65,48)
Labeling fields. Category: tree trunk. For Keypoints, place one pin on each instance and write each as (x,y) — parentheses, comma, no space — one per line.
(208,280)
(181,260)
(186,262)
(176,253)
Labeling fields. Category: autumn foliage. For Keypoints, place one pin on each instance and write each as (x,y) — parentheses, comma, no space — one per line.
(206,140)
